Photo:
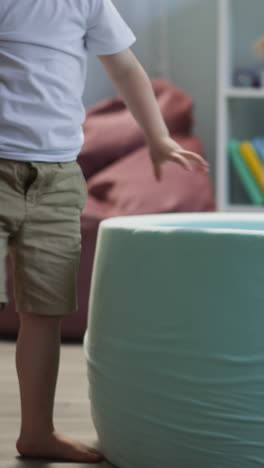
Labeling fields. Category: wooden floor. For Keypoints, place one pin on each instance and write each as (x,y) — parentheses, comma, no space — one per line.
(72,411)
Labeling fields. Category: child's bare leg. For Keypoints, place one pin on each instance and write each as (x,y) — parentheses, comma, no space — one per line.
(37,362)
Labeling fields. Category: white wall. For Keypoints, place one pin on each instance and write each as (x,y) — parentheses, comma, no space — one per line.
(187,31)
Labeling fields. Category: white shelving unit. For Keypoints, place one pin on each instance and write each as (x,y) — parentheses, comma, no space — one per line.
(240,110)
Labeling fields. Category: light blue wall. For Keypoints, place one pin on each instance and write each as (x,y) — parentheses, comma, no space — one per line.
(192,56)
(193,42)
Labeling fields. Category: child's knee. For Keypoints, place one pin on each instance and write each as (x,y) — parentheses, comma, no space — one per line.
(40,318)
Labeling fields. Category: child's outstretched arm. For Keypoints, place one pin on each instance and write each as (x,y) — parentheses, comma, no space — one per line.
(135,88)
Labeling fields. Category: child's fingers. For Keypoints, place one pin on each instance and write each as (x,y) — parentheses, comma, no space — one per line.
(176,157)
(157,171)
(195,157)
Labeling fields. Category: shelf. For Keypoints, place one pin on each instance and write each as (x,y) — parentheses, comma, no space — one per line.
(240,109)
(243,208)
(244,93)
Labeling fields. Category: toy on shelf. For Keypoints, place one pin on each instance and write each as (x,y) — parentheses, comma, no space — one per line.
(246,78)
(251,77)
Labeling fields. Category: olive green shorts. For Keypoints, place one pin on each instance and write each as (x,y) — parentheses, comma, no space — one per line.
(40,211)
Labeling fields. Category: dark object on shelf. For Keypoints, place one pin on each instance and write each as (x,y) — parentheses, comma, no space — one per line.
(246,78)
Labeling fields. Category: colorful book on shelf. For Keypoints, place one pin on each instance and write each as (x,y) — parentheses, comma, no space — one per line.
(248,180)
(258,144)
(253,161)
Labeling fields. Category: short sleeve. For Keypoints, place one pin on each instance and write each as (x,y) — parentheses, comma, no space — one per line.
(107,32)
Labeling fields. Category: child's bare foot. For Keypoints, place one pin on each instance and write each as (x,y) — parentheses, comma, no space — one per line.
(56,446)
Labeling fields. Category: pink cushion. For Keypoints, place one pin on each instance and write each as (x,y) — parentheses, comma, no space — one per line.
(129,187)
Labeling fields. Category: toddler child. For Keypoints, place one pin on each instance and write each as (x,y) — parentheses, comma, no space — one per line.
(43,47)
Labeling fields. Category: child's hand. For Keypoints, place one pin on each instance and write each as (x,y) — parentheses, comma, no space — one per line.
(166,149)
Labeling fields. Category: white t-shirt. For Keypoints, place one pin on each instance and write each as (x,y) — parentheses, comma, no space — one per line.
(43,47)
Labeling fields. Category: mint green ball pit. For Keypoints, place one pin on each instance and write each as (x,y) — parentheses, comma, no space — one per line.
(175,341)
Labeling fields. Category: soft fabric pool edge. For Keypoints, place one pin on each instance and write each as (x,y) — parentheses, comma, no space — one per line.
(151,373)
